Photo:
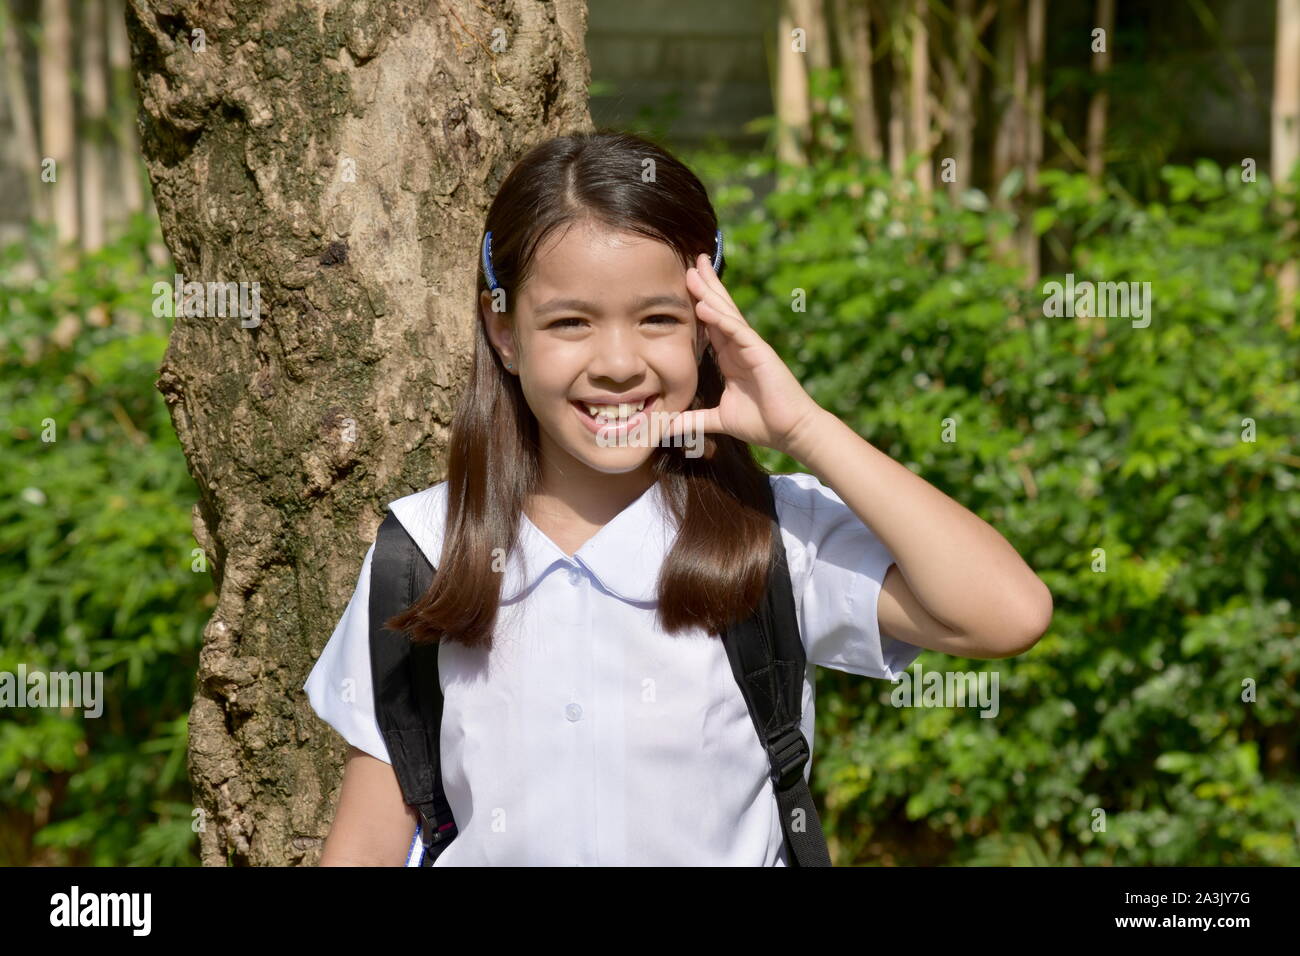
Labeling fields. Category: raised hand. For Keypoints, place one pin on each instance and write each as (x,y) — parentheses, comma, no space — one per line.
(762,403)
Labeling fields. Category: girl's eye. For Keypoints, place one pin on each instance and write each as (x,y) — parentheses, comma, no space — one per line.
(564,323)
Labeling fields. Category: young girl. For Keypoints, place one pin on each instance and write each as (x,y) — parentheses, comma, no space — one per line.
(590,715)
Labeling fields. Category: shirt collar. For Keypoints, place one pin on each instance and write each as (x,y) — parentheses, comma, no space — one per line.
(623,557)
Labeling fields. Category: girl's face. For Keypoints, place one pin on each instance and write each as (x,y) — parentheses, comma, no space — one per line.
(606,320)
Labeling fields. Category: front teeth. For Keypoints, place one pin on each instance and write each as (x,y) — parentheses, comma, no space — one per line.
(613,413)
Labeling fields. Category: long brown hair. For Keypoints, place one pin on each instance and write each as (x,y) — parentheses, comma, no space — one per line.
(717,568)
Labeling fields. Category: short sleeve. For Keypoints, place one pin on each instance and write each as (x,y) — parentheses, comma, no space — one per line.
(339,686)
(837,568)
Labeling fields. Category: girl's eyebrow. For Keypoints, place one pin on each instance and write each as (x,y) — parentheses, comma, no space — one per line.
(578,305)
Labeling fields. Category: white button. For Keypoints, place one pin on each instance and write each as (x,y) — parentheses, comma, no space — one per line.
(573,712)
(575,576)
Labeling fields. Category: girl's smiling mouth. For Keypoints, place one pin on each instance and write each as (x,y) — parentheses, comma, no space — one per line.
(614,417)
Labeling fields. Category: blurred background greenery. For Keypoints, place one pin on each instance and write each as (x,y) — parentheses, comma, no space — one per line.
(1171,448)
(95,558)
(1072,435)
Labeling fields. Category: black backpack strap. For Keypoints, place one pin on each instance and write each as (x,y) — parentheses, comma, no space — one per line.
(768,660)
(404,677)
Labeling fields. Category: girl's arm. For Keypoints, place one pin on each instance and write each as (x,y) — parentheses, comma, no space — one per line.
(372,826)
(958,586)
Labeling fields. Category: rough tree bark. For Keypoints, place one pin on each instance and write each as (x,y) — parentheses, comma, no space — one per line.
(342,154)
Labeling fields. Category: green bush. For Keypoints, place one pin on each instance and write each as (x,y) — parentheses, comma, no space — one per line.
(95,555)
(1072,434)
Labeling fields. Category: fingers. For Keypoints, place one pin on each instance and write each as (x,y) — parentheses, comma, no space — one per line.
(679,425)
(700,421)
(711,280)
(716,316)
(706,287)
(724,322)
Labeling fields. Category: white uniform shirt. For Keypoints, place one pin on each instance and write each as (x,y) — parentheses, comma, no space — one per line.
(588,736)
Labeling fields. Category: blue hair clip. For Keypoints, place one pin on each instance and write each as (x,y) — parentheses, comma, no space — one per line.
(487,262)
(492,279)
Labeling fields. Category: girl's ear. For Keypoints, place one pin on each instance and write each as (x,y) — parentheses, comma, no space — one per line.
(500,330)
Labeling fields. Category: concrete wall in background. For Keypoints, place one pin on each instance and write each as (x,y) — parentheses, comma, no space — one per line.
(701,69)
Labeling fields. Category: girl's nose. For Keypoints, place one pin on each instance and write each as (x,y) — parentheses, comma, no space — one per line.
(615,356)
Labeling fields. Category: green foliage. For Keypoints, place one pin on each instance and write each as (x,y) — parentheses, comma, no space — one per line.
(95,555)
(1077,438)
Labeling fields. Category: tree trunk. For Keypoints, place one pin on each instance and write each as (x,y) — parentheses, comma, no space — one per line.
(126,197)
(57,116)
(341,154)
(1100,99)
(1008,138)
(1011,97)
(898,144)
(965,95)
(854,32)
(811,15)
(920,97)
(1285,146)
(1035,23)
(961,78)
(94,111)
(794,119)
(21,170)
(1286,92)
